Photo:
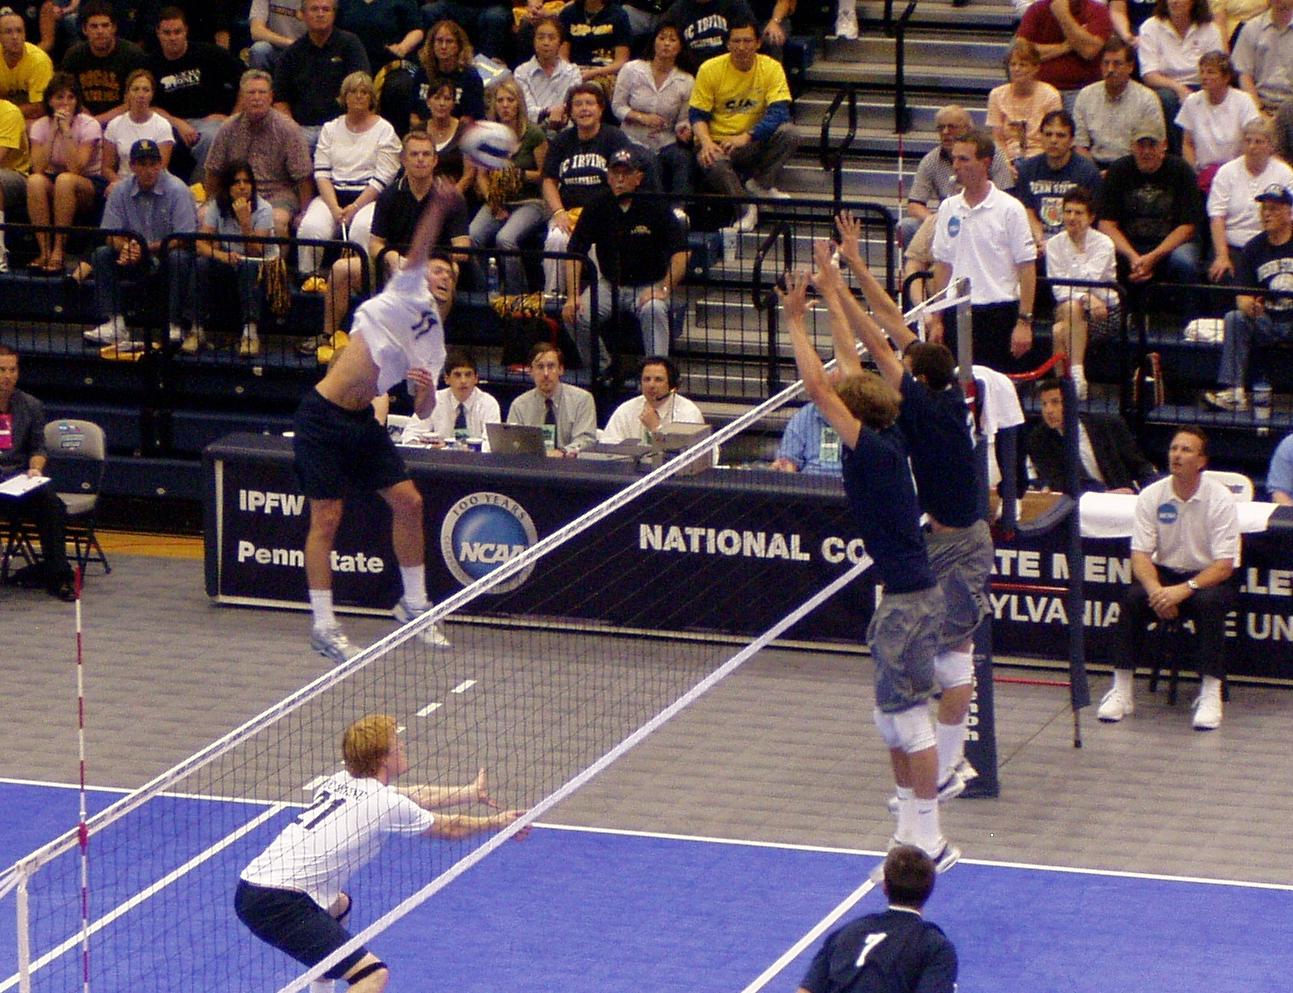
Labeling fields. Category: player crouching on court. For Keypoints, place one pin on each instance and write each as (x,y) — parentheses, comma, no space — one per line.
(904,632)
(291,895)
(339,446)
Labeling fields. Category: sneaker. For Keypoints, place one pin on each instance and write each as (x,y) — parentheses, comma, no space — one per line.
(949,789)
(765,192)
(1115,705)
(314,284)
(966,770)
(109,332)
(1080,387)
(747,221)
(332,643)
(249,343)
(432,636)
(846,21)
(945,855)
(1207,710)
(310,344)
(175,333)
(193,342)
(1232,398)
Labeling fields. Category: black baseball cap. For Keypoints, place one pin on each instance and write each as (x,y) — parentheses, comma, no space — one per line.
(632,157)
(145,149)
(1275,193)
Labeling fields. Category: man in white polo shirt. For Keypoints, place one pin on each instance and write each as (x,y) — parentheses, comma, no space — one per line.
(1184,541)
(984,234)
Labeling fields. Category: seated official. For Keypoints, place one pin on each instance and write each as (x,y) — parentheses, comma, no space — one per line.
(462,408)
(566,413)
(1109,460)
(641,252)
(1184,544)
(22,452)
(809,445)
(656,407)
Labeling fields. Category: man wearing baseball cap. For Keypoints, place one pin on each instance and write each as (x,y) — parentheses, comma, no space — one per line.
(641,255)
(1266,261)
(151,204)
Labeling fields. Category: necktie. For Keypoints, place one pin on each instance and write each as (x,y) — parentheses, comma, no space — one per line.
(460,422)
(551,416)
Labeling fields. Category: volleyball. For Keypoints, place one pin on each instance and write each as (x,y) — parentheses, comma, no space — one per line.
(489,144)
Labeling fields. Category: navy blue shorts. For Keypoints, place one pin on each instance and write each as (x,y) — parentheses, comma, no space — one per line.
(295,924)
(339,451)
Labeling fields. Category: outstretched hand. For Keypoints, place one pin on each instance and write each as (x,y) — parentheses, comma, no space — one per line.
(827,276)
(481,787)
(850,232)
(794,298)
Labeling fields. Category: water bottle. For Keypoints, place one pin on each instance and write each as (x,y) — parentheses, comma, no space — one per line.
(1262,405)
(491,277)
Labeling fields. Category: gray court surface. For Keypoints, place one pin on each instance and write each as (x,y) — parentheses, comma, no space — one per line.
(783,751)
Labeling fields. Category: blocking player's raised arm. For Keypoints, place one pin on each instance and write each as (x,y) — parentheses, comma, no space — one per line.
(794,305)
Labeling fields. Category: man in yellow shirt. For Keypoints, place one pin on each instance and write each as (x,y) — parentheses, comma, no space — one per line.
(25,70)
(15,164)
(740,115)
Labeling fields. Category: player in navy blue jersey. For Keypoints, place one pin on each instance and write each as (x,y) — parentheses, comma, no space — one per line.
(896,951)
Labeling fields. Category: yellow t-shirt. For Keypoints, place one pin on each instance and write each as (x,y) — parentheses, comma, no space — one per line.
(13,134)
(26,82)
(737,100)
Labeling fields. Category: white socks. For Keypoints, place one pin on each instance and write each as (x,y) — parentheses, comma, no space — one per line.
(906,813)
(951,747)
(414,578)
(321,607)
(928,834)
(1122,682)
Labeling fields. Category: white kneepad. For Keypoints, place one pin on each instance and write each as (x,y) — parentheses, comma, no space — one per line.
(908,729)
(954,669)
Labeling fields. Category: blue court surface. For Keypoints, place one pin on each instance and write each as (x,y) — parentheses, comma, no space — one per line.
(578,911)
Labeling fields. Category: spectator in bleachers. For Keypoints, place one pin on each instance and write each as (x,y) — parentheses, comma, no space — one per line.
(597,40)
(462,408)
(547,78)
(1279,475)
(1128,16)
(740,118)
(651,100)
(574,172)
(1171,43)
(274,25)
(1263,54)
(567,414)
(241,212)
(486,22)
(152,205)
(512,206)
(391,32)
(1212,120)
(25,70)
(1232,209)
(15,166)
(1016,108)
(274,145)
(996,251)
(1069,35)
(1111,462)
(139,121)
(1150,205)
(102,62)
(197,87)
(705,27)
(66,176)
(1044,179)
(1106,113)
(658,405)
(641,252)
(1082,315)
(308,77)
(809,445)
(1266,261)
(776,24)
(447,54)
(446,129)
(356,159)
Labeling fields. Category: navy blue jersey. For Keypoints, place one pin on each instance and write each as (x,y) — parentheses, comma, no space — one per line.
(942,453)
(893,952)
(878,484)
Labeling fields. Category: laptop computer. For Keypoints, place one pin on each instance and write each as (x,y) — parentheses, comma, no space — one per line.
(515,439)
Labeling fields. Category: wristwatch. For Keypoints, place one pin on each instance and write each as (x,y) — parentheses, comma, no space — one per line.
(1194,587)
(1025,316)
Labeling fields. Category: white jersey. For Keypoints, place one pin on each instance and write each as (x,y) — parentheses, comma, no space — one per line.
(402,328)
(335,836)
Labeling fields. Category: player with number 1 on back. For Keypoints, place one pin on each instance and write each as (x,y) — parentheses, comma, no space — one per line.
(291,895)
(339,446)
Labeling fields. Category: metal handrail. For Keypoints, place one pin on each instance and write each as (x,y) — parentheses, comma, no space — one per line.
(833,159)
(763,299)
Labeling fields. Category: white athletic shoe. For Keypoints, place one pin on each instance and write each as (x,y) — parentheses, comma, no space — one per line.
(765,192)
(747,221)
(846,21)
(110,332)
(1207,709)
(332,643)
(1115,705)
(945,855)
(433,636)
(175,333)
(949,789)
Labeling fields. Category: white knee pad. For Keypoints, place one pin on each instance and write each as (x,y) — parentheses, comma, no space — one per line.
(953,669)
(909,729)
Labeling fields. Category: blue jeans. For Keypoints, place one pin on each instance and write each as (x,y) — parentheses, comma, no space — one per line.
(1242,332)
(488,27)
(487,230)
(246,273)
(108,274)
(657,318)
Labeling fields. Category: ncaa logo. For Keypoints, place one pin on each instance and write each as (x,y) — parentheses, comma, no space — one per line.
(1167,513)
(481,532)
(953,226)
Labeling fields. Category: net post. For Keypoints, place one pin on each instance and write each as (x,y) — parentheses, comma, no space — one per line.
(23,936)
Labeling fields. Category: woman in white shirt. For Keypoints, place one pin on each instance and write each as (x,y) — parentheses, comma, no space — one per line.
(1082,314)
(1212,120)
(357,157)
(1171,43)
(139,121)
(652,99)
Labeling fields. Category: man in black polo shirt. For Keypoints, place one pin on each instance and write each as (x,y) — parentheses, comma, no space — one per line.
(309,74)
(102,62)
(641,256)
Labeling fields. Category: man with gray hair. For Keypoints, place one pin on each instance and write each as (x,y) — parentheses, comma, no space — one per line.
(1232,209)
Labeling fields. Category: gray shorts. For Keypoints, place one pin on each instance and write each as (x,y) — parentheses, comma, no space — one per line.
(962,561)
(903,637)
(14,185)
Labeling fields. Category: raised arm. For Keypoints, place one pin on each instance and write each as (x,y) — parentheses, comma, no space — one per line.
(884,308)
(794,306)
(847,312)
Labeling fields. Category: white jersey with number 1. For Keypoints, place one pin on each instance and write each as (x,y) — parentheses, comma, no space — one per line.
(402,328)
(333,837)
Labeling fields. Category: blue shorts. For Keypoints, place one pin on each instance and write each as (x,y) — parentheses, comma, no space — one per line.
(295,924)
(339,451)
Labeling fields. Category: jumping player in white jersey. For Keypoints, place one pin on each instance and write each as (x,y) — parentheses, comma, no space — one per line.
(291,895)
(339,446)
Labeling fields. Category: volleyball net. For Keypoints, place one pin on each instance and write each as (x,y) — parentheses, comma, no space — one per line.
(587,667)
